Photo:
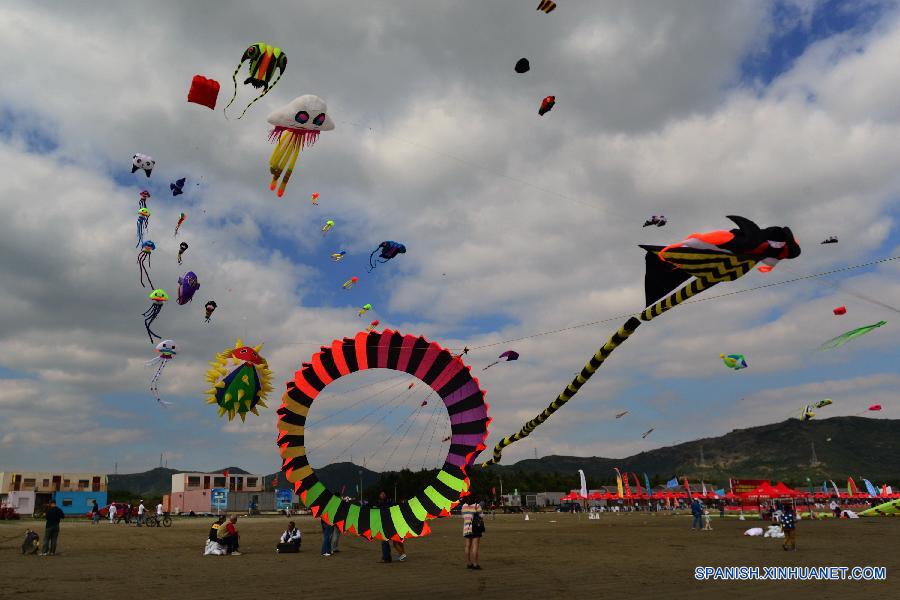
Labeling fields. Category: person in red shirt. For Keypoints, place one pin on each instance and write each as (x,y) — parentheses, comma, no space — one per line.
(229,536)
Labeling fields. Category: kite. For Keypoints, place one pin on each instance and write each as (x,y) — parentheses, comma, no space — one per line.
(734,361)
(547,105)
(700,268)
(875,407)
(654,220)
(508,356)
(365,308)
(240,379)
(142,201)
(143,261)
(314,198)
(450,379)
(842,339)
(547,6)
(350,282)
(264,59)
(338,256)
(182,247)
(840,310)
(372,325)
(446,439)
(646,433)
(166,349)
(187,286)
(177,187)
(327,227)
(296,125)
(385,250)
(807,413)
(179,223)
(823,403)
(157,298)
(142,161)
(143,223)
(621,414)
(522,66)
(831,239)
(210,309)
(204,91)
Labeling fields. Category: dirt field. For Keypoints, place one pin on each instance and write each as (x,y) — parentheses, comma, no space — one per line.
(550,556)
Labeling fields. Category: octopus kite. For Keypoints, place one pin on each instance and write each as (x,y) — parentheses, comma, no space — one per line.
(329,224)
(142,200)
(187,286)
(182,248)
(143,261)
(143,222)
(264,59)
(157,299)
(314,198)
(166,349)
(372,325)
(296,125)
(240,380)
(365,308)
(386,251)
(350,283)
(210,308)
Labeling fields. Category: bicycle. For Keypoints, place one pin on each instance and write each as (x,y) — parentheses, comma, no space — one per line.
(152,520)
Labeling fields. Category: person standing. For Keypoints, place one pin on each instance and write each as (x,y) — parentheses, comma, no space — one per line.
(112,513)
(326,538)
(697,512)
(159,511)
(473,528)
(127,513)
(95,512)
(789,526)
(51,531)
(141,511)
(385,545)
(335,539)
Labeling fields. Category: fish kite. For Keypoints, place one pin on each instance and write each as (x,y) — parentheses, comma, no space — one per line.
(723,257)
(507,356)
(831,239)
(179,223)
(143,261)
(547,6)
(204,91)
(143,223)
(654,220)
(166,349)
(296,125)
(734,361)
(187,286)
(547,105)
(365,308)
(144,162)
(386,251)
(350,283)
(178,187)
(842,339)
(240,380)
(264,59)
(210,309)
(646,433)
(157,298)
(338,256)
(621,414)
(522,66)
(182,247)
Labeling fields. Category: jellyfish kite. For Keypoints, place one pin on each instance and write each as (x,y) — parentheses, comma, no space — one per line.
(386,251)
(350,283)
(327,227)
(365,308)
(507,356)
(187,286)
(143,223)
(143,261)
(338,256)
(372,325)
(166,351)
(240,380)
(157,299)
(314,198)
(734,361)
(142,200)
(179,223)
(296,125)
(182,248)
(264,59)
(210,309)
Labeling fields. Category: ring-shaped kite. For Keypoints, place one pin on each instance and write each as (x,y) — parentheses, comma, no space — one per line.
(445,373)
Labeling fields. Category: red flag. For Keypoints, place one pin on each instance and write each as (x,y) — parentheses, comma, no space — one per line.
(627,488)
(688,488)
(225,473)
(493,491)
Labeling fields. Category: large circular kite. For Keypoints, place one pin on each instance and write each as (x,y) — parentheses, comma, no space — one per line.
(444,372)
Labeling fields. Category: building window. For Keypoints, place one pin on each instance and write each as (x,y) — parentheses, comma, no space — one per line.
(83,484)
(219,482)
(251,482)
(193,481)
(67,502)
(28,484)
(46,483)
(66,483)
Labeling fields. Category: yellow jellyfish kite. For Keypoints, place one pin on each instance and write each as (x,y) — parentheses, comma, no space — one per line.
(296,125)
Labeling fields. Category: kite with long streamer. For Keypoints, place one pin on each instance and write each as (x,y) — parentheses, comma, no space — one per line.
(701,261)
(842,339)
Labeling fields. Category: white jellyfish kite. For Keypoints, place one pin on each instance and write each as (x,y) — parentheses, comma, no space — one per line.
(297,124)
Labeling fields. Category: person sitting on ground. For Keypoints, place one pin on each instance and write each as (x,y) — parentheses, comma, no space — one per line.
(32,542)
(290,540)
(229,537)
(213,547)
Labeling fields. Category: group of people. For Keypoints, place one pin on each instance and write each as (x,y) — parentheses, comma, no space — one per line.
(223,538)
(127,513)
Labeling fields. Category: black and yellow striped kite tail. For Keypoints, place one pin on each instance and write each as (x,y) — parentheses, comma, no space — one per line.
(234,95)
(707,267)
(266,91)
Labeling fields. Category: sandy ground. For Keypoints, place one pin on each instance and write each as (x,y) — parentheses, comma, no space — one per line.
(550,556)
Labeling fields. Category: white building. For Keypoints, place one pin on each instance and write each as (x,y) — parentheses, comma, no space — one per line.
(189,482)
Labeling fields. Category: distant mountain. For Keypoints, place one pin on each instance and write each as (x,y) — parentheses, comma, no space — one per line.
(231,471)
(154,482)
(336,476)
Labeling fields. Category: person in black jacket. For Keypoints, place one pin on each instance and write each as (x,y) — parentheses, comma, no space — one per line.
(51,531)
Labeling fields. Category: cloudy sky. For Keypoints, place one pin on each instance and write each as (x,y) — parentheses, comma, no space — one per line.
(785,112)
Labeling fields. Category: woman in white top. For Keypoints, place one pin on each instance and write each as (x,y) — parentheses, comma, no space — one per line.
(473,528)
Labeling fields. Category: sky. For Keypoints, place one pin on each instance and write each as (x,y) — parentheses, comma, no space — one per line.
(515,224)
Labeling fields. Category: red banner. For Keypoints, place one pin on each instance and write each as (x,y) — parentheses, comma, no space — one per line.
(745,486)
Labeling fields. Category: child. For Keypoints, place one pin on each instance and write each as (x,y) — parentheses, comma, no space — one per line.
(707,526)
(31,544)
